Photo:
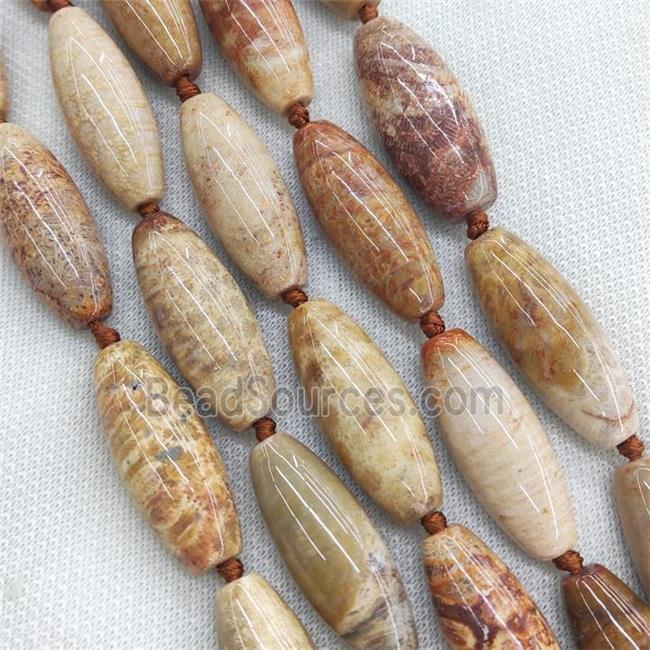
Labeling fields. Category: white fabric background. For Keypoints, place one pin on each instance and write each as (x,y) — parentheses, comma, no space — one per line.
(563,90)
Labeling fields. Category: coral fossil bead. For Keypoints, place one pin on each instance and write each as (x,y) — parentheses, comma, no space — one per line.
(365,411)
(480,603)
(330,546)
(204,320)
(166,457)
(49,231)
(604,612)
(246,203)
(426,121)
(498,444)
(368,219)
(105,108)
(632,491)
(264,42)
(250,615)
(551,335)
(162,33)
(350,8)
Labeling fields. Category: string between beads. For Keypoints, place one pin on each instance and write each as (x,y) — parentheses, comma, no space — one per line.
(432,324)
(632,448)
(104,335)
(368,12)
(434,522)
(231,569)
(186,89)
(264,428)
(298,115)
(51,5)
(477,223)
(295,297)
(570,561)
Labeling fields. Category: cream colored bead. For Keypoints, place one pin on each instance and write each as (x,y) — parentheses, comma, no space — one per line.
(162,33)
(264,42)
(632,492)
(105,108)
(365,411)
(204,320)
(498,444)
(246,203)
(166,457)
(250,615)
(349,8)
(330,546)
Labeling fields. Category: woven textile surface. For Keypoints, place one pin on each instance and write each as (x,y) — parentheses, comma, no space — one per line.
(563,91)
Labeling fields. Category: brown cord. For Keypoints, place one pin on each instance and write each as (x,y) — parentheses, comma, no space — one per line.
(295,297)
(186,88)
(231,569)
(264,428)
(477,223)
(298,115)
(103,334)
(148,209)
(368,12)
(632,448)
(570,561)
(434,522)
(432,324)
(51,5)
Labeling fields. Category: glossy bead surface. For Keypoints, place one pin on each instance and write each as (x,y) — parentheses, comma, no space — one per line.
(553,338)
(604,612)
(250,615)
(162,33)
(4,93)
(204,320)
(263,40)
(480,603)
(368,219)
(166,457)
(245,201)
(365,411)
(105,108)
(330,546)
(632,492)
(349,8)
(48,230)
(424,118)
(498,444)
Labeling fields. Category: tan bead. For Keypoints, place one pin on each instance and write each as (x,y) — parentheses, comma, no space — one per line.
(424,118)
(498,444)
(105,108)
(166,457)
(553,338)
(604,612)
(349,8)
(204,320)
(368,219)
(162,33)
(4,93)
(49,231)
(480,603)
(264,42)
(330,546)
(632,492)
(245,201)
(250,615)
(365,411)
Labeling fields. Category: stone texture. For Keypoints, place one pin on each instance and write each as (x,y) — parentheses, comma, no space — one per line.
(368,219)
(250,615)
(162,33)
(365,411)
(498,444)
(105,108)
(204,320)
(263,41)
(479,601)
(349,8)
(632,492)
(166,457)
(4,93)
(48,230)
(245,201)
(330,546)
(424,118)
(553,338)
(604,613)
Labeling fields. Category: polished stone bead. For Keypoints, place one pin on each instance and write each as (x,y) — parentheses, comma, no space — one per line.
(553,338)
(330,546)
(166,457)
(48,230)
(480,603)
(368,219)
